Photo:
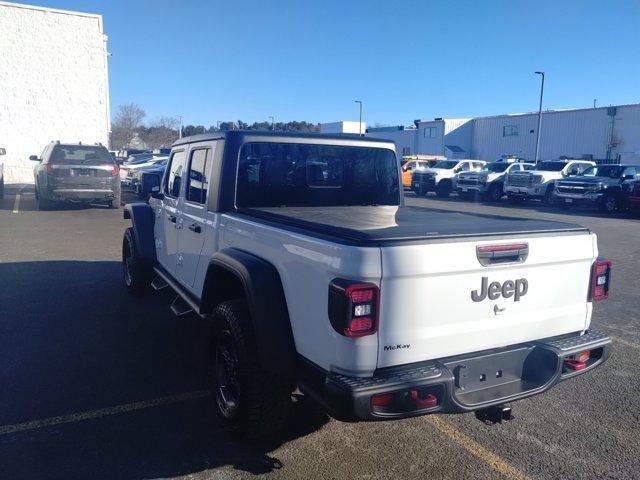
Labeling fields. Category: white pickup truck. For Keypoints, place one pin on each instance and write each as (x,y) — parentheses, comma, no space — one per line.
(440,177)
(539,183)
(313,273)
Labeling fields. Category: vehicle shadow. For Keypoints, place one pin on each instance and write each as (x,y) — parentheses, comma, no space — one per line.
(583,211)
(72,340)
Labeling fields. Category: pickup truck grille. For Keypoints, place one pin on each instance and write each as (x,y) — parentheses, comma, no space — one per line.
(472,181)
(520,180)
(575,188)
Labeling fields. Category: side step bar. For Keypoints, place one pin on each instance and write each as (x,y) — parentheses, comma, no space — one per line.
(183,304)
(158,283)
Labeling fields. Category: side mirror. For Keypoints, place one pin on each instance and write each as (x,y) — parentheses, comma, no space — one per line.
(3,151)
(155,193)
(627,177)
(34,158)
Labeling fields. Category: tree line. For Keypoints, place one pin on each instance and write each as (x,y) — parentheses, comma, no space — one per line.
(129,130)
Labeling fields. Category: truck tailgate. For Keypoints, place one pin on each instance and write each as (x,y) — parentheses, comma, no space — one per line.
(426,305)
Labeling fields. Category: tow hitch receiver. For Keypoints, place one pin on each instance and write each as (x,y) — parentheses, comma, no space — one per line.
(495,414)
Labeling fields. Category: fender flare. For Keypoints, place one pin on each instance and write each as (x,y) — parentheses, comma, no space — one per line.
(143,219)
(266,301)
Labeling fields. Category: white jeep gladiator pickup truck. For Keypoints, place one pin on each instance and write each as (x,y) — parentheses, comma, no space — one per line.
(299,251)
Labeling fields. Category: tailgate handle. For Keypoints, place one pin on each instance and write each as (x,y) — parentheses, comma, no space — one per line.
(502,253)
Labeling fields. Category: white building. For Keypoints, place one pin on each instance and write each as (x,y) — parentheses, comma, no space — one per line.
(344,126)
(53,83)
(405,138)
(604,133)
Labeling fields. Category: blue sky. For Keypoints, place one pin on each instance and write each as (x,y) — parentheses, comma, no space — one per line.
(309,60)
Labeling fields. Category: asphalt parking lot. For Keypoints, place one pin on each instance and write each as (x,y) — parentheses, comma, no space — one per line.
(96,384)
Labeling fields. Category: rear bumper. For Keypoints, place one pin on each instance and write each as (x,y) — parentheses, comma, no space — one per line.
(510,374)
(82,194)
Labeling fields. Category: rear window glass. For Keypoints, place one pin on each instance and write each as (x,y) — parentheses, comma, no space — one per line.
(496,167)
(550,166)
(290,174)
(446,164)
(80,155)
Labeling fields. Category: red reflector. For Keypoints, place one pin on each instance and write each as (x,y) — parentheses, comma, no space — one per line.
(575,365)
(601,268)
(502,248)
(360,295)
(358,325)
(429,400)
(115,170)
(383,400)
(600,279)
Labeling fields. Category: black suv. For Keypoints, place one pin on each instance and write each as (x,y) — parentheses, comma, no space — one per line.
(605,186)
(76,173)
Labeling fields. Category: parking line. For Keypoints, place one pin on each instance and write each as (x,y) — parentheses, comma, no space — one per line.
(101,412)
(473,447)
(16,204)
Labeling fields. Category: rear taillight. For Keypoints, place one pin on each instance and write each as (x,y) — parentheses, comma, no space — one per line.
(353,307)
(600,280)
(115,170)
(48,168)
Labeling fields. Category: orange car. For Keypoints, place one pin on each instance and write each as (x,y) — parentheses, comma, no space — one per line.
(408,167)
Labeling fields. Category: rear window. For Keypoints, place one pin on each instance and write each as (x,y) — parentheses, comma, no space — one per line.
(290,174)
(446,164)
(80,155)
(550,166)
(496,167)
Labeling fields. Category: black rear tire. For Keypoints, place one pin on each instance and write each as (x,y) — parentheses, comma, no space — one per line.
(1,188)
(44,203)
(515,199)
(250,402)
(137,273)
(549,199)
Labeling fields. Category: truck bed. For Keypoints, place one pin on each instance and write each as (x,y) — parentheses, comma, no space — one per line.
(374,225)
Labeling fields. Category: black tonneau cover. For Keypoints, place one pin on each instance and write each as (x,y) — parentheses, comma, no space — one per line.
(384,224)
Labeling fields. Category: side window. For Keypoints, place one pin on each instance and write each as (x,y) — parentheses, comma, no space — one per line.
(574,169)
(528,167)
(410,166)
(176,170)
(464,167)
(197,182)
(630,171)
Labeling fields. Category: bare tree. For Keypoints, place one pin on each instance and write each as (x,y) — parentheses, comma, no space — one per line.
(162,132)
(127,121)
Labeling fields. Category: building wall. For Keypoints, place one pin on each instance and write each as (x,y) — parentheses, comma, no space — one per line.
(343,127)
(431,145)
(53,83)
(572,133)
(404,139)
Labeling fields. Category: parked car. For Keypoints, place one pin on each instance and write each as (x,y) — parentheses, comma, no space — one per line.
(605,186)
(147,178)
(299,253)
(128,170)
(413,165)
(489,181)
(2,152)
(439,177)
(76,173)
(539,183)
(633,198)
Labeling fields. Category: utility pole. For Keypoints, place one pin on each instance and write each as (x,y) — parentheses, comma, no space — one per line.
(594,102)
(180,120)
(360,124)
(272,122)
(539,115)
(218,124)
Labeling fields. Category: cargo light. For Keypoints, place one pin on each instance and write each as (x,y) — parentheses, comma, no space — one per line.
(353,307)
(600,280)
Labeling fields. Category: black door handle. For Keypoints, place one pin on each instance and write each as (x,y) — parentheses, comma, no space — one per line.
(172,218)
(194,227)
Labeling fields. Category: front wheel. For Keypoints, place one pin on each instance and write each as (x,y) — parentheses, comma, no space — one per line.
(549,198)
(137,273)
(249,401)
(515,199)
(609,204)
(495,193)
(444,189)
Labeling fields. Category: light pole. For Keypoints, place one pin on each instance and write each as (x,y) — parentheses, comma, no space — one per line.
(272,122)
(218,125)
(180,121)
(360,124)
(539,115)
